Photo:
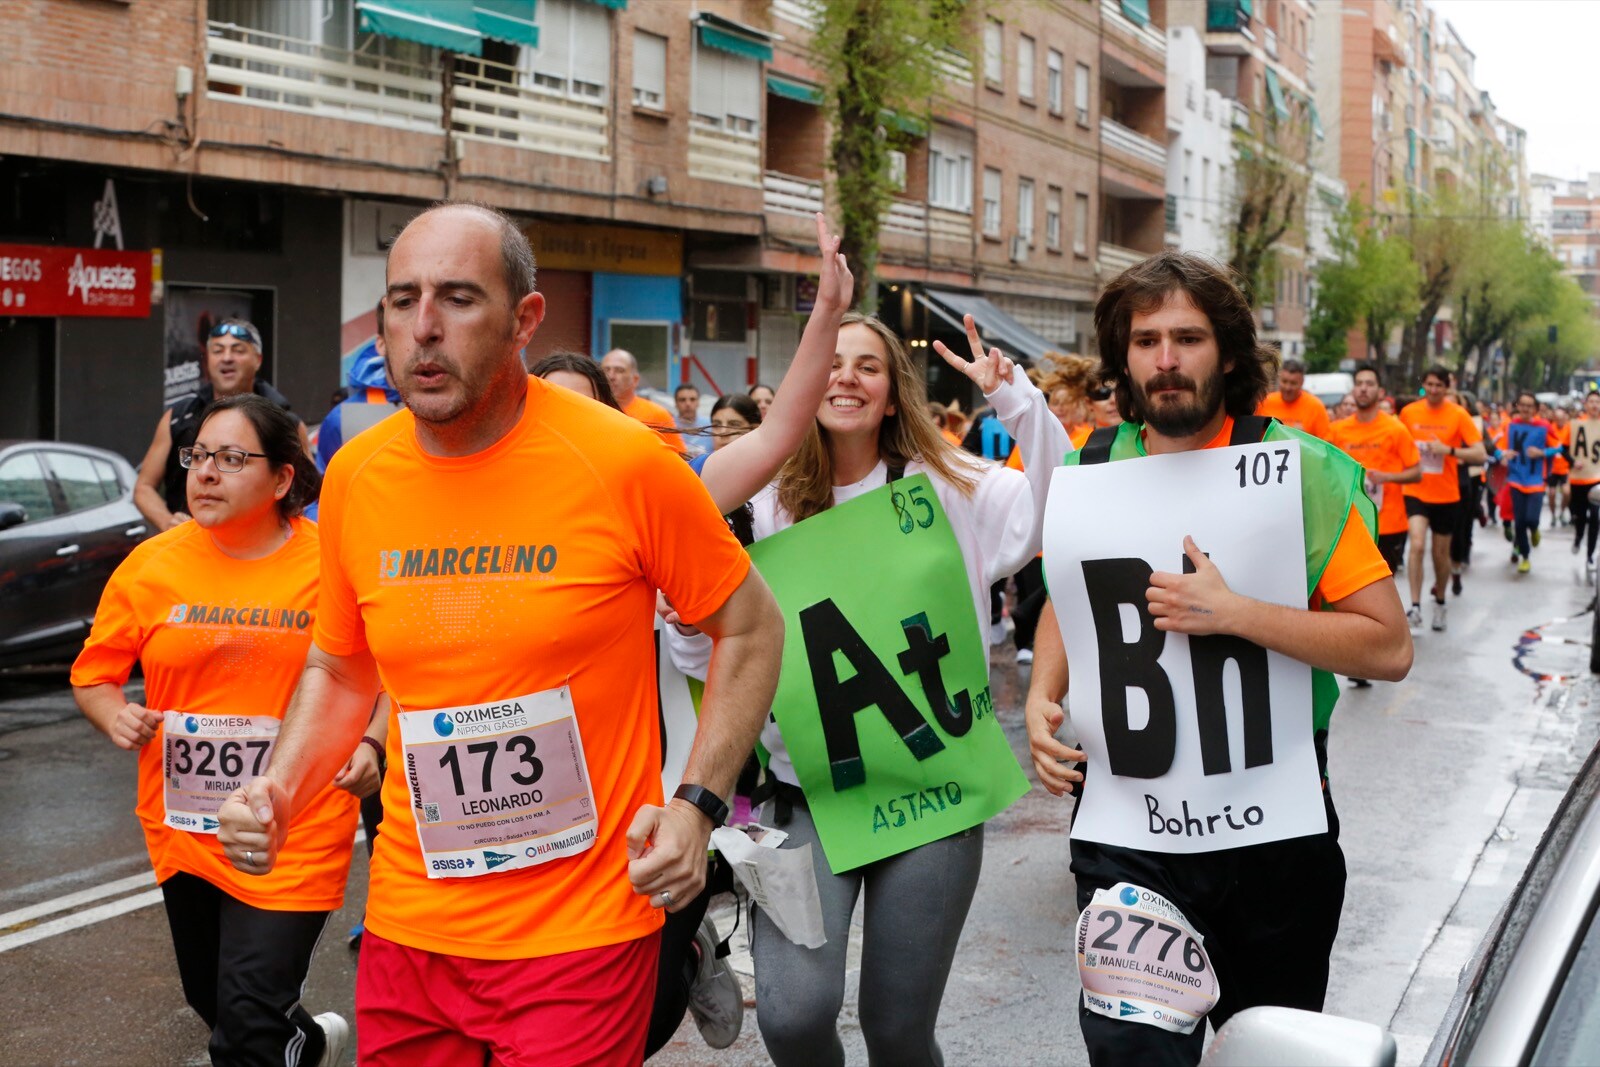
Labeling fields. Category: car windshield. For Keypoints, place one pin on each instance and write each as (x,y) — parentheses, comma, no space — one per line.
(1573,1033)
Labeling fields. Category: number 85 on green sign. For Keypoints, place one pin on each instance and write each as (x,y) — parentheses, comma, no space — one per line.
(914,509)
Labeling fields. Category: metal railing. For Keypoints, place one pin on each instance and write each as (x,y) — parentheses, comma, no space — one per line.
(721,156)
(1149,36)
(502,105)
(1115,135)
(270,70)
(1172,213)
(1114,259)
(800,12)
(956,67)
(784,194)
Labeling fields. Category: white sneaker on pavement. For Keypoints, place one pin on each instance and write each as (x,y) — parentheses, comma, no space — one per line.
(715,999)
(997,633)
(1414,618)
(335,1035)
(1024,656)
(1438,616)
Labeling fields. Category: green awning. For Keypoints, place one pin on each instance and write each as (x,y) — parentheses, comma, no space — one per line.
(1316,120)
(1137,11)
(1275,94)
(904,123)
(448,24)
(615,5)
(510,21)
(789,89)
(735,38)
(1411,148)
(1244,8)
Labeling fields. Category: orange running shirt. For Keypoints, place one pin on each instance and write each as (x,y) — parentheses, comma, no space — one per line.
(1080,435)
(1306,413)
(1560,435)
(1384,444)
(1450,425)
(221,636)
(531,565)
(652,414)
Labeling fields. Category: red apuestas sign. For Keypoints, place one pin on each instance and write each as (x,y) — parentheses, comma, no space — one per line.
(46,280)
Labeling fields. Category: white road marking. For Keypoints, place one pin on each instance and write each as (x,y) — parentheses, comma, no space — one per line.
(78,920)
(73,900)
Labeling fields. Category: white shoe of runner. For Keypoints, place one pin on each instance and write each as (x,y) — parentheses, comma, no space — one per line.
(335,1035)
(1414,619)
(1438,616)
(715,999)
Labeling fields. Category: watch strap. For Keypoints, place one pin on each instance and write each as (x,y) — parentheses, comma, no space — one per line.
(708,802)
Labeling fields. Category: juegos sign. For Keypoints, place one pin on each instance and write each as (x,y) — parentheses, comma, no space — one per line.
(47,281)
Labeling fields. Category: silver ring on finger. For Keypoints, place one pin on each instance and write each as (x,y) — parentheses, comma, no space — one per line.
(666,896)
(250,858)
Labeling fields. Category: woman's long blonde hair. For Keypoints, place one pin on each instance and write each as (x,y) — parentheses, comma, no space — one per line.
(805,484)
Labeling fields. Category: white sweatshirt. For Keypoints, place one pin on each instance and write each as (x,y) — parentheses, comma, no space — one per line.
(999,527)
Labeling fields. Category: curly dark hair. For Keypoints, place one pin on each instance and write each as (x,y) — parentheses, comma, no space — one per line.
(1215,291)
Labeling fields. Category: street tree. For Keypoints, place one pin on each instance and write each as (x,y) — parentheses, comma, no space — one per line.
(1371,282)
(1437,229)
(1506,278)
(1271,180)
(878,78)
(1540,362)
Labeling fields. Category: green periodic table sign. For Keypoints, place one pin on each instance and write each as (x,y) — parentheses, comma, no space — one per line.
(884,699)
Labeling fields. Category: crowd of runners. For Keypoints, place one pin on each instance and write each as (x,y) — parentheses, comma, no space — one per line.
(508,560)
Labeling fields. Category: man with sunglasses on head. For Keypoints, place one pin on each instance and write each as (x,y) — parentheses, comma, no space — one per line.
(233,356)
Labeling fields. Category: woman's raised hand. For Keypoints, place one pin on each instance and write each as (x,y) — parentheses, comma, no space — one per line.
(836,286)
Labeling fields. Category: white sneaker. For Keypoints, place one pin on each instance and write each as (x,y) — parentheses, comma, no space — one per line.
(1414,618)
(997,633)
(1024,656)
(1438,617)
(715,999)
(335,1035)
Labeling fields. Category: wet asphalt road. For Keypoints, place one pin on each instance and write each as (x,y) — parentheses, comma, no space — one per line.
(1443,783)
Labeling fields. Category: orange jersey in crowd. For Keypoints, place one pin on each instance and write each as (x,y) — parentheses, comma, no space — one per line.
(526,567)
(1384,444)
(1306,413)
(653,414)
(1560,435)
(1450,425)
(1077,437)
(228,637)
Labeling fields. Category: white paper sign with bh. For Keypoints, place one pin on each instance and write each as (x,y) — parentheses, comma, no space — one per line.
(1194,743)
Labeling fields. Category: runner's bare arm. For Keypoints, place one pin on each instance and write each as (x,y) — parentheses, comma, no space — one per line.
(1365,635)
(667,846)
(1043,713)
(321,727)
(128,725)
(737,472)
(147,489)
(1470,454)
(1410,476)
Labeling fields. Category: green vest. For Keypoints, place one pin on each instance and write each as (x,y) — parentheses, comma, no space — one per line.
(1331,483)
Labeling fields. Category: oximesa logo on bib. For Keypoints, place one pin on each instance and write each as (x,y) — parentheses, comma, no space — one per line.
(443,725)
(1130,896)
(191,724)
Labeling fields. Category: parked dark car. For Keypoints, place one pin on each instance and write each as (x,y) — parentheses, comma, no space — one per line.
(66,520)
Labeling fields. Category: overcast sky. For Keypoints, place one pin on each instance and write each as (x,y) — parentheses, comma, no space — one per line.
(1539,60)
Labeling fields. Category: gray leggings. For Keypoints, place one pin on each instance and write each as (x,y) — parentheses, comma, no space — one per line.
(916,906)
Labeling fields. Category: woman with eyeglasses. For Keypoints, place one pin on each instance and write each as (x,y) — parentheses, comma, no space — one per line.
(218,613)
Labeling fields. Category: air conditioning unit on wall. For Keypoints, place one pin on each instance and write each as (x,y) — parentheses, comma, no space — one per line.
(1019,249)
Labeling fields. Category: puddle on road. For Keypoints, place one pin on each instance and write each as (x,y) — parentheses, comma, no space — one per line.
(1555,652)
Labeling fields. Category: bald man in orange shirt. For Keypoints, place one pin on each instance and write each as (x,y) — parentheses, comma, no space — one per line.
(1292,405)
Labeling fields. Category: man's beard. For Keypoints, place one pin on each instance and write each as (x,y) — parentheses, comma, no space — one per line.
(1183,418)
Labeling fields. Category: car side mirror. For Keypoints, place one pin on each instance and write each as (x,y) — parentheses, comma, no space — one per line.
(1268,1037)
(12,515)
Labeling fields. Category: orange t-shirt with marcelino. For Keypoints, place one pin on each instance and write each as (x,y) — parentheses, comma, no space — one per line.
(1306,413)
(1450,425)
(1562,436)
(221,636)
(1384,444)
(653,414)
(571,522)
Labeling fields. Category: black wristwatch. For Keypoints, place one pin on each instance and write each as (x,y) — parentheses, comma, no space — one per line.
(704,799)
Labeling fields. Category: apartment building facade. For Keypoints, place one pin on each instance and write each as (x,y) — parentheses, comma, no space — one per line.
(663,156)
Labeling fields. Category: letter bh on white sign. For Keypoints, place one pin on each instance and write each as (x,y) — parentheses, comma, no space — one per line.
(1194,743)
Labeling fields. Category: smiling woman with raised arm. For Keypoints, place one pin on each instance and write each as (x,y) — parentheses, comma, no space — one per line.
(218,613)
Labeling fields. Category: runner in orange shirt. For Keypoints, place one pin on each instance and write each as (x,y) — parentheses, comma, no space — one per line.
(1445,434)
(493,555)
(622,372)
(218,612)
(1292,405)
(1560,466)
(1382,445)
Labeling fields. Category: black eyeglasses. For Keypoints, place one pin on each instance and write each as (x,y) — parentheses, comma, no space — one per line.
(228,460)
(1102,393)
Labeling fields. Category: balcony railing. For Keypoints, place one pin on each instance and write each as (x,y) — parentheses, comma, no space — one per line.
(1114,259)
(784,194)
(1224,16)
(956,67)
(724,156)
(1241,116)
(1149,36)
(1269,41)
(270,70)
(947,225)
(800,12)
(496,103)
(1172,213)
(1114,135)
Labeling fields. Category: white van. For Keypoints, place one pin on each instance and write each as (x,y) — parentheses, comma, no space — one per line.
(1330,388)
